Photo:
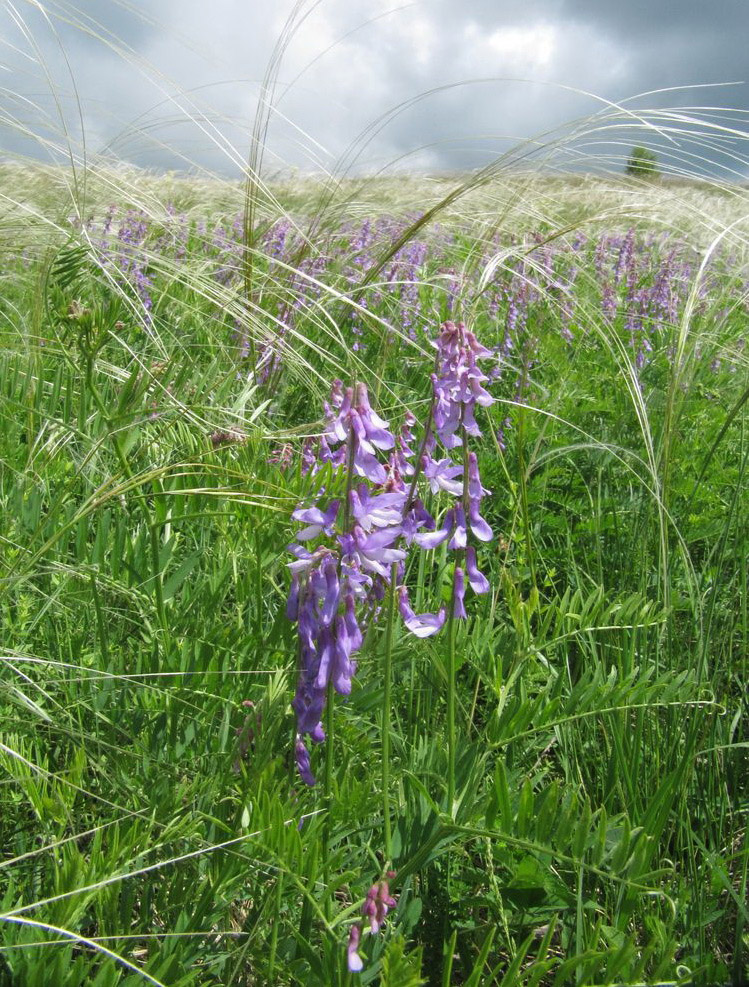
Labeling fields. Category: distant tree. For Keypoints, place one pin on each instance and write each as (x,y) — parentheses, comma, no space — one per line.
(642,163)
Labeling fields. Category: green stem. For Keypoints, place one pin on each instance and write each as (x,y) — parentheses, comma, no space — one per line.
(451,633)
(451,672)
(386,704)
(328,795)
(523,484)
(274,928)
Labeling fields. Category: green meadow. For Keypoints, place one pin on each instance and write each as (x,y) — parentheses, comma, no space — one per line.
(557,783)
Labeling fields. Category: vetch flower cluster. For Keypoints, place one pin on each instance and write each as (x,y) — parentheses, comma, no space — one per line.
(348,550)
(458,388)
(342,579)
(376,905)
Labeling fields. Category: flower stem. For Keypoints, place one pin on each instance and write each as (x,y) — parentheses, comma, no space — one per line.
(451,633)
(451,673)
(329,699)
(328,795)
(386,702)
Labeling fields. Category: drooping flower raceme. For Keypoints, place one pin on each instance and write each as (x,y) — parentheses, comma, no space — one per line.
(347,549)
(458,388)
(356,552)
(377,904)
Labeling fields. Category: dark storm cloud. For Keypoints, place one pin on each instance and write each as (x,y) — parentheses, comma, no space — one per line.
(179,84)
(643,18)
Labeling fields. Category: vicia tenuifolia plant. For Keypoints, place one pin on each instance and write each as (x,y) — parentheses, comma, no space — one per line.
(353,549)
(352,552)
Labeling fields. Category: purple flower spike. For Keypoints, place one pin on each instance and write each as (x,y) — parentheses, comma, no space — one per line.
(459,592)
(458,386)
(302,762)
(354,961)
(420,625)
(479,582)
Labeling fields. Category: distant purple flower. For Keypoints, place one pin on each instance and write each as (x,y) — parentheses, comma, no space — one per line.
(377,904)
(458,383)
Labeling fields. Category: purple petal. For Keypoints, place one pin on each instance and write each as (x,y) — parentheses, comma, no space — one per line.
(478,525)
(311,531)
(353,959)
(459,592)
(326,647)
(479,582)
(365,464)
(460,535)
(332,592)
(421,625)
(303,765)
(292,604)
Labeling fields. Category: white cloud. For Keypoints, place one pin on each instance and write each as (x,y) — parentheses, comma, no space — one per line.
(515,49)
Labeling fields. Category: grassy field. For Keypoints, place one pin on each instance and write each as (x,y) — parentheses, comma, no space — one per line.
(549,791)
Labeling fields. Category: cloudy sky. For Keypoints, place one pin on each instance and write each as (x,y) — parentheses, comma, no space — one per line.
(429,85)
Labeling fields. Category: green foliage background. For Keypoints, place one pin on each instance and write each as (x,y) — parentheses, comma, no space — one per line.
(152,825)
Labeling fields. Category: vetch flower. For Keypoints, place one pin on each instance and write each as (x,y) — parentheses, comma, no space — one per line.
(459,592)
(353,959)
(478,525)
(317,521)
(377,904)
(420,625)
(379,511)
(441,474)
(479,582)
(302,762)
(431,539)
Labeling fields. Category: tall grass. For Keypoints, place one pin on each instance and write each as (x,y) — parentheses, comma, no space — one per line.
(566,782)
